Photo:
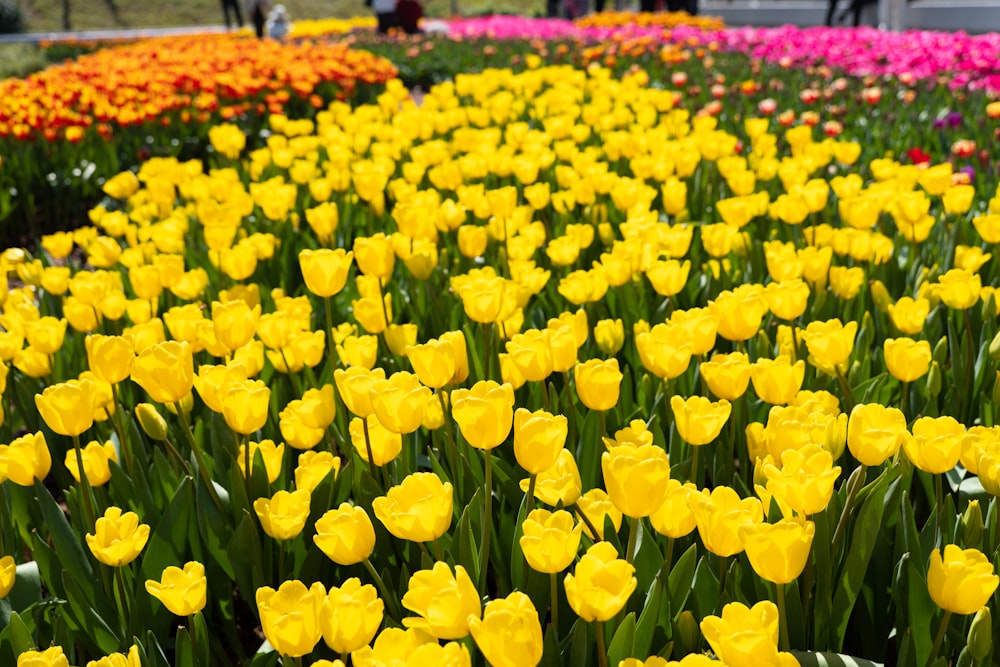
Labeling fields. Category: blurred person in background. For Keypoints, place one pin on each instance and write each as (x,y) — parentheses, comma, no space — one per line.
(258,11)
(278,24)
(232,6)
(385,13)
(408,15)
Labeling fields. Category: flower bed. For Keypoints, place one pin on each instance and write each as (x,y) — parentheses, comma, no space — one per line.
(648,371)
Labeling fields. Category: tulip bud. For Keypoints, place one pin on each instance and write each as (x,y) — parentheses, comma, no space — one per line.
(687,633)
(880,295)
(934,380)
(606,233)
(995,347)
(941,350)
(151,421)
(980,638)
(972,525)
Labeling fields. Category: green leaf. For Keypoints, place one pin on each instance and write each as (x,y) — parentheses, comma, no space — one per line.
(550,649)
(823,563)
(65,542)
(623,643)
(920,608)
(151,653)
(183,650)
(681,579)
(91,614)
(202,640)
(14,640)
(27,588)
(269,659)
(464,546)
(245,553)
(858,553)
(648,559)
(831,660)
(168,541)
(579,645)
(214,529)
(656,608)
(705,589)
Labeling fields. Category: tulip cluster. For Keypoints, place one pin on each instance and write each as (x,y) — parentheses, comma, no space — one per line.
(544,367)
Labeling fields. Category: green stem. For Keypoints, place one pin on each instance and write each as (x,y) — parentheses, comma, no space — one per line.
(119,585)
(633,538)
(938,502)
(199,457)
(385,313)
(330,347)
(854,484)
(782,617)
(282,551)
(969,361)
(193,635)
(248,463)
(453,462)
(172,451)
(382,589)
(939,637)
(571,412)
(488,356)
(845,387)
(554,601)
(695,473)
(903,400)
(588,523)
(602,651)
(368,446)
(88,507)
(529,502)
(484,556)
(118,423)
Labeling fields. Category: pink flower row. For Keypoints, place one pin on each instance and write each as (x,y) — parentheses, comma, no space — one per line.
(971,61)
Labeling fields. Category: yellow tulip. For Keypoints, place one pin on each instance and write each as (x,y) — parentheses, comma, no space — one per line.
(962,581)
(96,462)
(875,432)
(598,383)
(698,420)
(444,602)
(558,484)
(485,413)
(118,537)
(778,552)
(165,370)
(25,459)
(351,615)
(345,535)
(550,540)
(418,509)
(182,591)
(290,616)
(720,514)
(601,583)
(509,634)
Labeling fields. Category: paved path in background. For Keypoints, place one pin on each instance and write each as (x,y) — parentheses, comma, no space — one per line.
(118,33)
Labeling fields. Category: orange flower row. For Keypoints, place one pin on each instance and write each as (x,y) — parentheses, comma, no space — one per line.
(649,20)
(140,82)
